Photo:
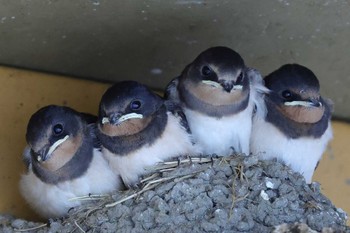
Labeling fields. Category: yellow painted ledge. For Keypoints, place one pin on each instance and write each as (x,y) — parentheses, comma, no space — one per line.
(23,92)
(333,172)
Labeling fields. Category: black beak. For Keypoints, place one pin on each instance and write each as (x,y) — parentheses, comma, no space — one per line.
(114,117)
(226,85)
(315,103)
(40,155)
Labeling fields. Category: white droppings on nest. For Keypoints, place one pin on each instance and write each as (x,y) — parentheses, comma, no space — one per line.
(264,195)
(341,211)
(269,185)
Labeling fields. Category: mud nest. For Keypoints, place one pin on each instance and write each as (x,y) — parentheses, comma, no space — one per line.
(234,194)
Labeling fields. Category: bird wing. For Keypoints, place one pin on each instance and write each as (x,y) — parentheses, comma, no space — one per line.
(93,134)
(171,91)
(27,157)
(88,118)
(258,92)
(176,110)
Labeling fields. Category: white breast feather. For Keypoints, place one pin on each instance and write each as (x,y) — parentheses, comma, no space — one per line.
(217,136)
(53,200)
(300,154)
(174,142)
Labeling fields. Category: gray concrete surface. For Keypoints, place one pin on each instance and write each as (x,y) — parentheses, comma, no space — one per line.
(152,40)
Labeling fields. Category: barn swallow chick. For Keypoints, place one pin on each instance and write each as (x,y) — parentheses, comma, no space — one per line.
(138,129)
(297,128)
(62,162)
(218,94)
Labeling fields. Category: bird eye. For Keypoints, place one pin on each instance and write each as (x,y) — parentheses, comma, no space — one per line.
(57,129)
(135,105)
(206,71)
(287,94)
(240,78)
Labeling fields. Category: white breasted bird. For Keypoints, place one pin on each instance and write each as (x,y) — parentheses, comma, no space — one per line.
(138,129)
(219,94)
(63,161)
(297,127)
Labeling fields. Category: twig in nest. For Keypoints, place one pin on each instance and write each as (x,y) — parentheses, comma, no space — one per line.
(185,177)
(31,229)
(235,199)
(154,175)
(174,164)
(168,169)
(81,215)
(150,184)
(240,173)
(89,197)
(91,210)
(160,180)
(312,205)
(224,160)
(129,197)
(79,227)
